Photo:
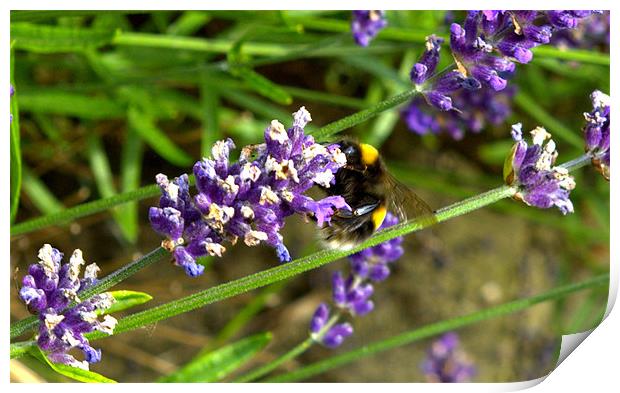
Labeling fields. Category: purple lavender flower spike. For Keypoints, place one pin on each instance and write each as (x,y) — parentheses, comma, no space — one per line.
(435,92)
(336,334)
(352,295)
(531,169)
(593,34)
(484,107)
(513,34)
(596,132)
(248,199)
(446,362)
(48,289)
(366,25)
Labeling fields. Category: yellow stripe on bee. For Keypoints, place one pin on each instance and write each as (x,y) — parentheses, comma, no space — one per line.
(378,216)
(369,154)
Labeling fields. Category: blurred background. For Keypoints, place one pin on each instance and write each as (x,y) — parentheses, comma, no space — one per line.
(151,91)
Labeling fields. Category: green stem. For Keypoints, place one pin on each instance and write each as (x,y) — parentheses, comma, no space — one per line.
(438,328)
(581,55)
(105,283)
(361,116)
(293,353)
(578,162)
(84,210)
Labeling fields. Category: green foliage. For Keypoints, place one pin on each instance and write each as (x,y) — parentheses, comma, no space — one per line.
(52,39)
(75,373)
(125,299)
(214,366)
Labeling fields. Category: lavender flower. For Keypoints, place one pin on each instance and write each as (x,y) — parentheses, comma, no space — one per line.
(435,88)
(594,34)
(248,199)
(596,132)
(484,106)
(446,362)
(48,289)
(353,294)
(511,33)
(484,49)
(530,168)
(366,25)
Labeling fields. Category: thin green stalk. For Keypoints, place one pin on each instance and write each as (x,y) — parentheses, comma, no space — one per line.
(438,328)
(105,283)
(578,162)
(84,209)
(361,116)
(581,55)
(266,369)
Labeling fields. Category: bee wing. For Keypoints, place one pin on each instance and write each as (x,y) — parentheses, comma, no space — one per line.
(406,204)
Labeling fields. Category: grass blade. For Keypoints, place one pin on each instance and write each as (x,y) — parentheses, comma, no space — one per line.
(125,299)
(75,373)
(53,39)
(145,126)
(15,153)
(39,194)
(59,102)
(216,365)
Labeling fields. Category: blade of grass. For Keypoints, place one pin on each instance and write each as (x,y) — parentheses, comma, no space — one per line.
(51,39)
(59,102)
(39,194)
(75,373)
(15,150)
(581,55)
(438,328)
(210,105)
(131,168)
(189,23)
(554,126)
(214,366)
(145,126)
(102,173)
(83,210)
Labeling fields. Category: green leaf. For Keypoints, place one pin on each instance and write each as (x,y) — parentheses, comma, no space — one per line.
(39,194)
(51,39)
(215,365)
(131,165)
(262,85)
(84,209)
(210,108)
(126,299)
(72,372)
(144,125)
(100,166)
(16,155)
(59,102)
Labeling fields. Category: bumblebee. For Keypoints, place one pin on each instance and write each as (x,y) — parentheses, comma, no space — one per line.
(371,191)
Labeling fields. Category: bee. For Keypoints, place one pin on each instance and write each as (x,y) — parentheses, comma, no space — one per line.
(371,191)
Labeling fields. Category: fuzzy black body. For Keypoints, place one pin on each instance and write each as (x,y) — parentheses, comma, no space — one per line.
(362,185)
